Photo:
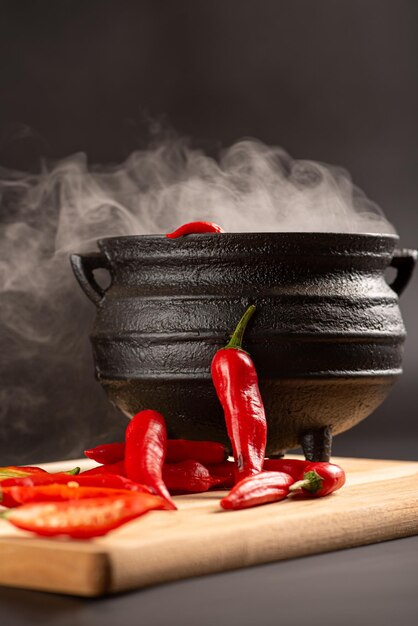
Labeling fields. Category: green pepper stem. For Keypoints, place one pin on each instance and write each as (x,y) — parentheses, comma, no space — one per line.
(74,471)
(237,337)
(311,481)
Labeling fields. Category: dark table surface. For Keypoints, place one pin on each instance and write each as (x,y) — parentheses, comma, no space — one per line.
(375,584)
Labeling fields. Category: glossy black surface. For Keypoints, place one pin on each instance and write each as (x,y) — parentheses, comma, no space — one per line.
(327,337)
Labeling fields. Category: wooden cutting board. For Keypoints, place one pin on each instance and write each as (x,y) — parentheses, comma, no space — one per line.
(379,502)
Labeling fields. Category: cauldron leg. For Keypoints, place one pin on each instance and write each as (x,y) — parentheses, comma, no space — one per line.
(316,444)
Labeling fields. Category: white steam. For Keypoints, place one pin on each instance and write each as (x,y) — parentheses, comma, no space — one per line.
(45,361)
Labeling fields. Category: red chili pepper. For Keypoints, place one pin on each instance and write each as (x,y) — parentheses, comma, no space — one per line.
(293,467)
(145,449)
(320,479)
(83,519)
(206,452)
(106,453)
(224,471)
(258,489)
(189,476)
(99,481)
(195,227)
(236,383)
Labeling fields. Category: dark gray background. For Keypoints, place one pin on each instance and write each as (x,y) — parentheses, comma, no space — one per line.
(329,81)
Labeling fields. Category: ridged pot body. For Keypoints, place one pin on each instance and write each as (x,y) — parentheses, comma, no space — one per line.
(327,337)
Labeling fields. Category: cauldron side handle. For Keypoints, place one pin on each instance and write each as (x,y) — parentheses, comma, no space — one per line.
(404,261)
(83,267)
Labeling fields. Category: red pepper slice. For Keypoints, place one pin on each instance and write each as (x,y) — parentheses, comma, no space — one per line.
(145,449)
(235,379)
(195,227)
(58,493)
(83,519)
(258,489)
(206,452)
(12,471)
(102,480)
(320,479)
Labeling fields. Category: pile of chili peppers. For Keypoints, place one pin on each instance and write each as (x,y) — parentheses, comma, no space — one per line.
(142,473)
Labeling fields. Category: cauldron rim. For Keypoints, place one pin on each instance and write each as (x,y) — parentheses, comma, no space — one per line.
(286,235)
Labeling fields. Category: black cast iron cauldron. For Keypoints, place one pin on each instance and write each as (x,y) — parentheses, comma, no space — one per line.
(327,337)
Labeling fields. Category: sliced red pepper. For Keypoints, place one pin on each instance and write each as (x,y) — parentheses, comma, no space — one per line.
(102,480)
(235,379)
(206,452)
(320,479)
(195,227)
(83,519)
(145,450)
(258,489)
(58,493)
(12,471)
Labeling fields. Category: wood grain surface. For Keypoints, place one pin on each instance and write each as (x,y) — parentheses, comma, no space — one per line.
(379,502)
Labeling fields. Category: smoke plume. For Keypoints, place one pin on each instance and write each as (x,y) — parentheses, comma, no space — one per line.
(50,405)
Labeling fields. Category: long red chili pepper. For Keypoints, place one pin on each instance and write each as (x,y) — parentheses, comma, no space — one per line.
(145,449)
(236,383)
(225,472)
(106,453)
(293,467)
(206,452)
(195,227)
(189,476)
(320,479)
(258,489)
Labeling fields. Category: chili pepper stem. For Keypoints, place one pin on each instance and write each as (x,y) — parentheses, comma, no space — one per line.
(238,335)
(311,481)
